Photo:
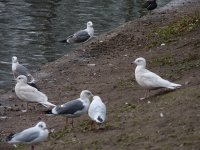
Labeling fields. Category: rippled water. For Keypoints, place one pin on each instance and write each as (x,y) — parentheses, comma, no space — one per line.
(31,29)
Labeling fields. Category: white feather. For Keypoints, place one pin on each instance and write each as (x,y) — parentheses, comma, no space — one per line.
(28,93)
(22,137)
(150,80)
(97,109)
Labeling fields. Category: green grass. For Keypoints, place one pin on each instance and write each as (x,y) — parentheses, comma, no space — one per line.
(168,33)
(59,134)
(186,63)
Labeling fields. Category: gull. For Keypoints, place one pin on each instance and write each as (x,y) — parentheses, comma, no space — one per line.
(150,5)
(97,110)
(30,136)
(82,35)
(30,94)
(74,108)
(149,80)
(19,69)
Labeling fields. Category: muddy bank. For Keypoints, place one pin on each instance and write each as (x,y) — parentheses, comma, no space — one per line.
(130,123)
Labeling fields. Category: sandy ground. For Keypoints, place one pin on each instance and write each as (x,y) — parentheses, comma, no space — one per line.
(131,123)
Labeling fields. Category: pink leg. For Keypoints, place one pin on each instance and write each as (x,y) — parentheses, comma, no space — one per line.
(32,147)
(72,122)
(66,122)
(146,95)
(26,108)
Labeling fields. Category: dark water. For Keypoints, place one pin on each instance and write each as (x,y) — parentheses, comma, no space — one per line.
(31,29)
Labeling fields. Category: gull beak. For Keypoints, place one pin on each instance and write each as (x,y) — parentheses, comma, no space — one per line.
(14,80)
(133,62)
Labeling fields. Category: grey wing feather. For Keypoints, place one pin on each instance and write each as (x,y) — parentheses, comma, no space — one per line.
(153,80)
(27,137)
(21,70)
(80,36)
(70,107)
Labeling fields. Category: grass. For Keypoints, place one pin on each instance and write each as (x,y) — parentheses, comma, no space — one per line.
(127,107)
(190,61)
(167,34)
(59,134)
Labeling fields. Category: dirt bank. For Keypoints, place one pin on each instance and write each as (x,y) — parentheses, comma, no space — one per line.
(131,123)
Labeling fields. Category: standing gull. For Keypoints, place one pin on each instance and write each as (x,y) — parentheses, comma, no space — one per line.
(74,108)
(149,80)
(30,94)
(19,69)
(82,35)
(31,135)
(97,110)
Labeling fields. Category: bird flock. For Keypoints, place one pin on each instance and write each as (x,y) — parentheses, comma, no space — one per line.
(87,103)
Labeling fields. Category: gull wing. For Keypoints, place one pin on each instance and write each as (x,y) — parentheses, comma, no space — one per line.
(71,107)
(78,37)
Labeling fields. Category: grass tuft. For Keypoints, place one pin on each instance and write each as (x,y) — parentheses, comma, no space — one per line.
(168,33)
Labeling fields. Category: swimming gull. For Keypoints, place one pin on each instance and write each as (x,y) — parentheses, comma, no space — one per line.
(30,94)
(19,69)
(30,136)
(74,108)
(82,35)
(150,5)
(149,80)
(97,110)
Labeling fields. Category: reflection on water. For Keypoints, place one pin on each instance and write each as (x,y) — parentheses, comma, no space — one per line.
(31,29)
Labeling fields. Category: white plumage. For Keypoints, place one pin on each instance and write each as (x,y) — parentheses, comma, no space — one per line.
(30,94)
(97,110)
(31,135)
(149,80)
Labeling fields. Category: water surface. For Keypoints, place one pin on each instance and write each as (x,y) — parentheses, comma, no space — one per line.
(31,29)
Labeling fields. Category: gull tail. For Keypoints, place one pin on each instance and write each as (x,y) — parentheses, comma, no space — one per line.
(174,86)
(48,104)
(33,85)
(48,111)
(63,41)
(99,119)
(9,137)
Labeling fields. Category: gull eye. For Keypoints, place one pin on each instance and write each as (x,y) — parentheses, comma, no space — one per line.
(41,126)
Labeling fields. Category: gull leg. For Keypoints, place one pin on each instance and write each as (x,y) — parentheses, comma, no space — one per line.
(26,108)
(32,147)
(66,122)
(72,122)
(148,91)
(98,126)
(145,96)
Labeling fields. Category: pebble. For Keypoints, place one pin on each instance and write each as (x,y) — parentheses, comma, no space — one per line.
(161,115)
(91,65)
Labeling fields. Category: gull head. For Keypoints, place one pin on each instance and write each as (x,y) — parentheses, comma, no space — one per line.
(21,79)
(89,24)
(86,94)
(14,59)
(140,62)
(97,98)
(41,125)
